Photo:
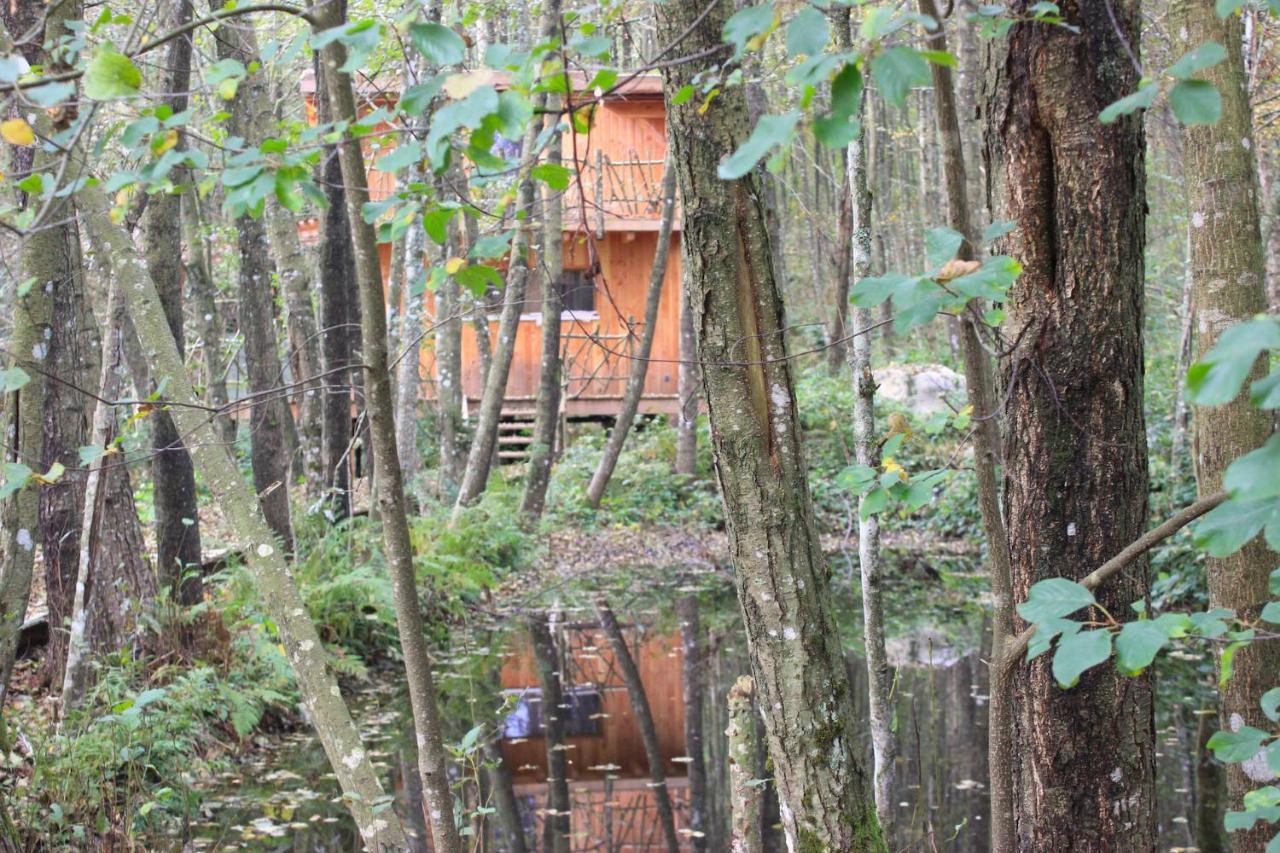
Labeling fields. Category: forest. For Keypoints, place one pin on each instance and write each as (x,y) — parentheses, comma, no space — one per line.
(693,425)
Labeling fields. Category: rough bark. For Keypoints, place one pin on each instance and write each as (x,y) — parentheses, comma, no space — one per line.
(114,251)
(427,723)
(693,684)
(687,385)
(172,472)
(547,417)
(1075,447)
(640,360)
(781,572)
(626,665)
(867,452)
(747,798)
(546,654)
(269,413)
(475,476)
(1228,283)
(983,399)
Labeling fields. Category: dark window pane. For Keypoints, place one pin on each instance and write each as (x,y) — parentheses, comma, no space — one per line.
(579,291)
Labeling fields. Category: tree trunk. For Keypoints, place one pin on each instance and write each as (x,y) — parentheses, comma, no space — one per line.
(547,418)
(298,283)
(556,825)
(982,397)
(409,370)
(480,459)
(269,413)
(687,385)
(1075,448)
(1210,834)
(427,723)
(640,360)
(694,689)
(210,323)
(781,573)
(114,252)
(867,452)
(504,798)
(449,309)
(1181,412)
(644,719)
(1228,282)
(745,792)
(339,323)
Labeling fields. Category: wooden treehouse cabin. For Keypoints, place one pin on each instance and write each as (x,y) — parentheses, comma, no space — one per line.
(613,805)
(611,217)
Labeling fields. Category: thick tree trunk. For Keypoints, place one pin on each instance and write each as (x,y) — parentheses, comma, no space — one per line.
(269,414)
(781,573)
(547,418)
(640,359)
(693,683)
(113,250)
(1228,283)
(339,325)
(483,446)
(1075,448)
(867,452)
(556,825)
(746,795)
(626,664)
(982,397)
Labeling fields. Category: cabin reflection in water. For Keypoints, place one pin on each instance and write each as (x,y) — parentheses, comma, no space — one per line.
(613,806)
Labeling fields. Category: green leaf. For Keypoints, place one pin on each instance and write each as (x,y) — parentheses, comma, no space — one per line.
(682,95)
(857,478)
(769,132)
(1216,378)
(897,70)
(1045,631)
(1139,100)
(1256,475)
(1271,612)
(747,24)
(941,245)
(1196,102)
(836,132)
(400,157)
(1237,746)
(871,291)
(1226,7)
(1137,646)
(874,501)
(436,222)
(991,281)
(1205,56)
(922,488)
(553,175)
(12,379)
(1273,582)
(1265,393)
(1173,625)
(807,33)
(478,278)
(16,475)
(1079,652)
(846,92)
(1273,757)
(111,74)
(50,94)
(492,245)
(1227,528)
(1053,598)
(996,230)
(89,454)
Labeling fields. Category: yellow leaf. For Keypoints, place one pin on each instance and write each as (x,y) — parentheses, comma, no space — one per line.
(955,268)
(892,467)
(454,264)
(17,132)
(458,86)
(165,142)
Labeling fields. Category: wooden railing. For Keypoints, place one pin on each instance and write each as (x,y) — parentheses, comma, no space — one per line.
(612,190)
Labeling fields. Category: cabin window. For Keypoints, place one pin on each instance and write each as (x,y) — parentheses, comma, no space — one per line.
(577,294)
(581,713)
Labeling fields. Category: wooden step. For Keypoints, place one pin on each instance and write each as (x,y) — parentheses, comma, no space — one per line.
(521,440)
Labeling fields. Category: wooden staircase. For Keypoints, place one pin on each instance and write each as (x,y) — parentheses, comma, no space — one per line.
(515,435)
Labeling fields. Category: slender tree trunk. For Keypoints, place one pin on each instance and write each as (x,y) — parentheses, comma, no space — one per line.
(542,449)
(1228,282)
(479,461)
(782,575)
(982,397)
(298,282)
(556,825)
(409,370)
(1210,834)
(269,413)
(644,719)
(432,762)
(687,384)
(449,311)
(209,318)
(1075,448)
(866,452)
(1181,412)
(504,798)
(746,794)
(113,250)
(640,361)
(693,684)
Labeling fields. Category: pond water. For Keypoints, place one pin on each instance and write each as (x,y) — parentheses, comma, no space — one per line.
(281,796)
